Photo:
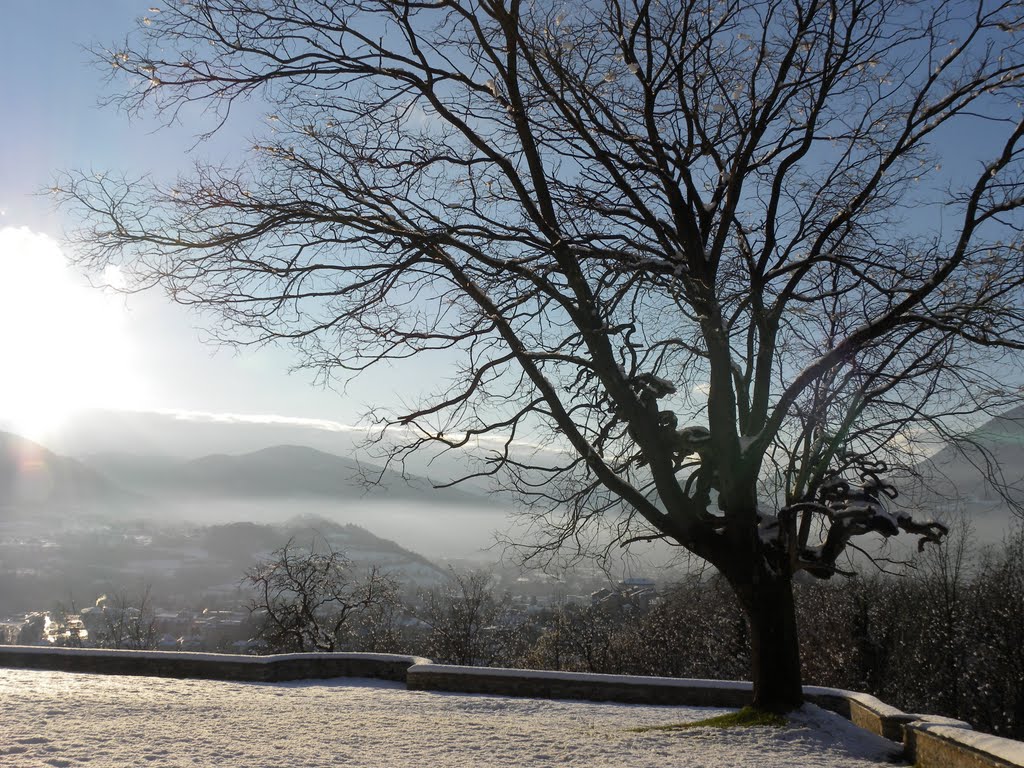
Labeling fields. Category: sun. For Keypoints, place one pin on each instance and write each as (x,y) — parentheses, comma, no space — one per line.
(64,346)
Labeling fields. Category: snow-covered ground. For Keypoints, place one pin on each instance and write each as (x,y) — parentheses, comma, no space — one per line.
(61,719)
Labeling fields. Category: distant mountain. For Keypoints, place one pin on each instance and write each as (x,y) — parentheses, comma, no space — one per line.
(961,477)
(994,451)
(192,435)
(33,477)
(282,471)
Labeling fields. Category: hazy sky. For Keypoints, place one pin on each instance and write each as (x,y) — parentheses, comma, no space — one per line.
(63,345)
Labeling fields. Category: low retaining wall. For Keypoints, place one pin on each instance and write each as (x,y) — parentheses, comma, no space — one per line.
(570,685)
(939,744)
(211,666)
(864,710)
(930,742)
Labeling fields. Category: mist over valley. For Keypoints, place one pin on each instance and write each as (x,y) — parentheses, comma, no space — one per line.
(142,498)
(74,527)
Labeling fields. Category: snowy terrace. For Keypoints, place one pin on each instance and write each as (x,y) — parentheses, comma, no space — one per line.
(71,719)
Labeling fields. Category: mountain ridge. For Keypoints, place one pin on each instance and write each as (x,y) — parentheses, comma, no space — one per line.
(246,542)
(282,471)
(34,476)
(965,473)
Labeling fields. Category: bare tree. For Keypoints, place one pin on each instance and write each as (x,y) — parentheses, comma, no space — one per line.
(307,596)
(127,621)
(582,639)
(467,623)
(709,255)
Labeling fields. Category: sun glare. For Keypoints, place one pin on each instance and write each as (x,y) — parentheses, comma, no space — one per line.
(64,346)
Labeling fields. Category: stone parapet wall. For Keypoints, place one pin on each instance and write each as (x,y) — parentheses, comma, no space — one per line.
(569,685)
(930,742)
(211,666)
(862,710)
(937,744)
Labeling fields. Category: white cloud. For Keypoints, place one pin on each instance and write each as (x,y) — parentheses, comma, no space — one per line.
(327,425)
(260,418)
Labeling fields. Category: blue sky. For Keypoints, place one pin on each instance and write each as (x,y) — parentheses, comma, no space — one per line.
(64,346)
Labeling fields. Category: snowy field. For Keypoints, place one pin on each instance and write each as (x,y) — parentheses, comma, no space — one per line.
(61,719)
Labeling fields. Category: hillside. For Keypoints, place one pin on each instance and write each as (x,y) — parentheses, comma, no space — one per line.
(960,478)
(242,544)
(93,433)
(282,471)
(34,478)
(63,557)
(966,473)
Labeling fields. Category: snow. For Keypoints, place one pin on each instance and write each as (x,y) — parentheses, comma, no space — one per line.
(941,720)
(64,719)
(877,706)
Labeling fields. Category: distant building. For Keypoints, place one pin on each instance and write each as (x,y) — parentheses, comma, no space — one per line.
(628,594)
(638,581)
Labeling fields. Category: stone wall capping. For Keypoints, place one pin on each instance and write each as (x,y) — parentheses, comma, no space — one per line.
(929,741)
(936,742)
(579,685)
(211,666)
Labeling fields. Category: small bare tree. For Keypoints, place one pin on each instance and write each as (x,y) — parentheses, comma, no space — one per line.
(127,621)
(467,623)
(139,620)
(306,596)
(709,255)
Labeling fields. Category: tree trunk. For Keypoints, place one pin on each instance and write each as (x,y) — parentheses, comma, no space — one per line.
(774,643)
